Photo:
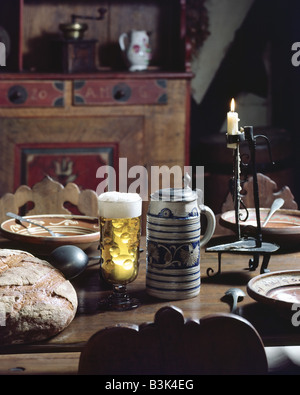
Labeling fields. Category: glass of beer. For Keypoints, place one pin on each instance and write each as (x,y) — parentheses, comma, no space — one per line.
(120,230)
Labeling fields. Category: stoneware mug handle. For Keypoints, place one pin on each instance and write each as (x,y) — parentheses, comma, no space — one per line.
(211,224)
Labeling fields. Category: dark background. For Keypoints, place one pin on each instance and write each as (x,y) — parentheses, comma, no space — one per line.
(269,22)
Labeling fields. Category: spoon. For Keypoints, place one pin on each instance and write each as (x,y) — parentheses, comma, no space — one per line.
(237,295)
(69,259)
(275,206)
(22,219)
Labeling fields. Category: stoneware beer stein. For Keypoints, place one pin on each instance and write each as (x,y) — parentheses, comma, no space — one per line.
(135,45)
(173,243)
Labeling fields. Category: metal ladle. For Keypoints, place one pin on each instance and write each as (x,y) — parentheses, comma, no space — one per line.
(22,219)
(237,295)
(275,206)
(70,260)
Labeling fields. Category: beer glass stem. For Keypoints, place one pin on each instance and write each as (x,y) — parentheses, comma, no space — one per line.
(120,300)
(120,291)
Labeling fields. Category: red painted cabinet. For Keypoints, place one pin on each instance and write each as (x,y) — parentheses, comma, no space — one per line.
(67,124)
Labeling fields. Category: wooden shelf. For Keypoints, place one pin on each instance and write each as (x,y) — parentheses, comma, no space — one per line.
(33,27)
(97,75)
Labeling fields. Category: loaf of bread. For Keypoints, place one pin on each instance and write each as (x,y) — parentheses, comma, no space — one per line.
(36,301)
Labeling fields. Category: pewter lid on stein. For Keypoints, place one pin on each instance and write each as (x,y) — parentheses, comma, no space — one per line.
(185,194)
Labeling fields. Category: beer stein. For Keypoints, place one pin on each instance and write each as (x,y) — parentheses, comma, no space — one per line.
(173,243)
(137,49)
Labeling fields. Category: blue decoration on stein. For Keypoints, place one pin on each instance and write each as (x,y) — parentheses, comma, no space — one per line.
(165,213)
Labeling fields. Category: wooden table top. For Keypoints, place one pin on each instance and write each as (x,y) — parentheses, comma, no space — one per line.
(273,329)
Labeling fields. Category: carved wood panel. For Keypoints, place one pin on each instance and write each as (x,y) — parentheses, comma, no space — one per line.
(66,134)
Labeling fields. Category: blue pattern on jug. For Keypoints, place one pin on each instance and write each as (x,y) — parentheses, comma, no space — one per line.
(163,256)
(167,213)
(194,212)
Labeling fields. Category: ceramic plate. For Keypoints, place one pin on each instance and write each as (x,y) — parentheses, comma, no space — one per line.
(279,289)
(77,230)
(283,228)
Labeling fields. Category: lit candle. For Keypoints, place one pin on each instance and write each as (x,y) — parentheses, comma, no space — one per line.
(232,119)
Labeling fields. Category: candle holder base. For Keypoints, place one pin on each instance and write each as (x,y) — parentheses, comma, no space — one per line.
(247,246)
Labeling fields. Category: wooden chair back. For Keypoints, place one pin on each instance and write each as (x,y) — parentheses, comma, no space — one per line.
(49,197)
(218,344)
(268,192)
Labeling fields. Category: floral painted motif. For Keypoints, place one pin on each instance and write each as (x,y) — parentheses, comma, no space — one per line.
(165,213)
(194,212)
(136,48)
(173,255)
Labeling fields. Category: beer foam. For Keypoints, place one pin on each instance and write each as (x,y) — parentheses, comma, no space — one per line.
(119,205)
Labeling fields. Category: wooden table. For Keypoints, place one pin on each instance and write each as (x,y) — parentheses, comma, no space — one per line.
(60,354)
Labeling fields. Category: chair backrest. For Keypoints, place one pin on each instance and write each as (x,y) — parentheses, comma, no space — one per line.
(268,192)
(218,344)
(49,197)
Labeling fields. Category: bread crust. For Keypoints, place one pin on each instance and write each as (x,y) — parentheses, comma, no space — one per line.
(36,301)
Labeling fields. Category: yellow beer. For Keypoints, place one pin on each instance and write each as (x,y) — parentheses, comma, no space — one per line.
(120,240)
(120,229)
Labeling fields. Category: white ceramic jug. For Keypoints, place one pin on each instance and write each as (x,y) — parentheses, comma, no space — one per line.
(136,46)
(173,243)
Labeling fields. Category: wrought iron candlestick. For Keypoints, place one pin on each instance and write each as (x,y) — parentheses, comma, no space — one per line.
(245,245)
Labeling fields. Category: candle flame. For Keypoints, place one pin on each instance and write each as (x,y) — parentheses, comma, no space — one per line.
(232,105)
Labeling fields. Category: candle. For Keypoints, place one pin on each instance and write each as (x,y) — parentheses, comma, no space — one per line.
(232,119)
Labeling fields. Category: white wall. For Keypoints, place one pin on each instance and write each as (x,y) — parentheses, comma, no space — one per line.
(225,17)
